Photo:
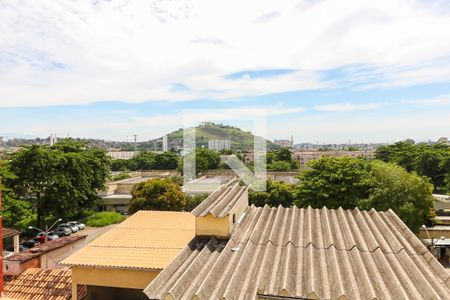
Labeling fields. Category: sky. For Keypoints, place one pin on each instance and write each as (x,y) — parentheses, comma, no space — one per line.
(322,71)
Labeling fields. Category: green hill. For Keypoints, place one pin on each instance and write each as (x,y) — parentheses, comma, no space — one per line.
(240,140)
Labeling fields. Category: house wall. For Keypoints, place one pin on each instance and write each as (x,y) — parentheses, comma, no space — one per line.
(212,226)
(119,278)
(434,233)
(50,260)
(222,227)
(16,267)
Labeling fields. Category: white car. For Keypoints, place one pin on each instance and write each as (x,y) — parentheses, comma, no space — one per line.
(80,226)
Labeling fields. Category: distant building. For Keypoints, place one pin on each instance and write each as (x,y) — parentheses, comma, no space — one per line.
(443,140)
(285,143)
(53,139)
(303,157)
(218,145)
(165,144)
(121,154)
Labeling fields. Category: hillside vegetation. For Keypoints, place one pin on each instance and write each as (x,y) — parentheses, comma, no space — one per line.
(240,140)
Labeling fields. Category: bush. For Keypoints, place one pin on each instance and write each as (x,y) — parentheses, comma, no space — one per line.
(121,176)
(194,201)
(157,194)
(104,218)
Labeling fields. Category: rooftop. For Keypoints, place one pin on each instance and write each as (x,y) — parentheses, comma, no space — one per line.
(48,284)
(146,240)
(44,248)
(306,253)
(9,232)
(220,203)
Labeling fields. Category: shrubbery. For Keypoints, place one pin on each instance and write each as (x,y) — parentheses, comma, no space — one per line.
(104,218)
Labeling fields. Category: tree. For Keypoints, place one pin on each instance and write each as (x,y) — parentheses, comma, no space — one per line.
(334,182)
(119,165)
(277,193)
(61,180)
(206,159)
(354,182)
(157,194)
(407,194)
(283,154)
(145,160)
(279,166)
(432,163)
(426,160)
(165,161)
(401,153)
(14,210)
(193,201)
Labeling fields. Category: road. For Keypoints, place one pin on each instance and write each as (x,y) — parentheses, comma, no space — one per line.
(94,232)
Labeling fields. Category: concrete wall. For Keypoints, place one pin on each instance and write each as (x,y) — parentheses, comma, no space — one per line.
(119,278)
(50,260)
(16,267)
(212,226)
(222,227)
(435,233)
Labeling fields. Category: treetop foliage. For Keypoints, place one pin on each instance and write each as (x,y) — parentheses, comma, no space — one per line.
(60,180)
(432,161)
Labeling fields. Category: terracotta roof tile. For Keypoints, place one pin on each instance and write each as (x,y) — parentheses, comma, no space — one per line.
(9,232)
(48,284)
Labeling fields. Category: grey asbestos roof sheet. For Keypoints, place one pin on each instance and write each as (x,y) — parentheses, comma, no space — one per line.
(220,203)
(306,253)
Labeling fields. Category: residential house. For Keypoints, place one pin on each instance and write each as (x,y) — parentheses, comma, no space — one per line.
(123,261)
(301,253)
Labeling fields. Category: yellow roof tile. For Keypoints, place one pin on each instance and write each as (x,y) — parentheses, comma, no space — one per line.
(146,240)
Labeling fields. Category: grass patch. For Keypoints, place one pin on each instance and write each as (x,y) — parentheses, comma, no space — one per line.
(104,218)
(121,176)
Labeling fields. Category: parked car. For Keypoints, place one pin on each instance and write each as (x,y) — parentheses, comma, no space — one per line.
(71,227)
(41,237)
(28,244)
(62,231)
(80,226)
(21,248)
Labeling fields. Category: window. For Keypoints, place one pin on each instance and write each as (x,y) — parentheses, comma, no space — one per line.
(234,218)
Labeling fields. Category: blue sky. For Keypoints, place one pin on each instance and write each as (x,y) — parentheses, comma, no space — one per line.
(371,71)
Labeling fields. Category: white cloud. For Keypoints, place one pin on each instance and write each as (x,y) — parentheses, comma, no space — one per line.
(61,52)
(347,107)
(438,101)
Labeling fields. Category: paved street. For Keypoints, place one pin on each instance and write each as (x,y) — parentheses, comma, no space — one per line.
(94,232)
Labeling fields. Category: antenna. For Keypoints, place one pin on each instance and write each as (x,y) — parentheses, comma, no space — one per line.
(135,142)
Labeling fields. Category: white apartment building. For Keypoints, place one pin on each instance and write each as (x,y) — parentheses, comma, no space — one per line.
(218,145)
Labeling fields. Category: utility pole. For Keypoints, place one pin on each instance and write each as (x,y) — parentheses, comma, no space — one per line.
(135,142)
